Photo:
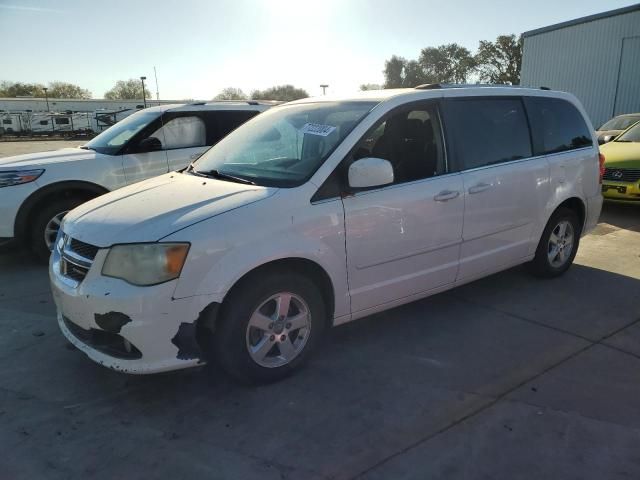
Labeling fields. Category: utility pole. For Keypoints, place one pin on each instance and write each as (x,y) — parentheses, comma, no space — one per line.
(144,98)
(46,98)
(324,89)
(157,90)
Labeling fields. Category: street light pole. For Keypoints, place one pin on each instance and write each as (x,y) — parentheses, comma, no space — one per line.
(46,97)
(144,98)
(324,89)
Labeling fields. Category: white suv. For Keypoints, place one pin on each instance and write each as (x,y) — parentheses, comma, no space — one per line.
(319,212)
(43,187)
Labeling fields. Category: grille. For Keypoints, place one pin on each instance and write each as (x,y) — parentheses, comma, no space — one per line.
(83,249)
(622,174)
(73,270)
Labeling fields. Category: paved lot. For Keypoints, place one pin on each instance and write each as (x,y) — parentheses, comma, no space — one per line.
(17,148)
(510,377)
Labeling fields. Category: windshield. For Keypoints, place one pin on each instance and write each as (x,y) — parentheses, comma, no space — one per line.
(113,138)
(285,145)
(631,135)
(619,123)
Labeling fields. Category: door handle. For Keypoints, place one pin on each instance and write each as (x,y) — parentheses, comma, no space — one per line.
(481,187)
(446,195)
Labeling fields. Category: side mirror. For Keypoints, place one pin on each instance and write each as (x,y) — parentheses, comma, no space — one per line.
(149,144)
(608,138)
(370,172)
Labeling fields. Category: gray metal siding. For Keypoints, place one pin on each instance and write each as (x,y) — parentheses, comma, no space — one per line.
(585,60)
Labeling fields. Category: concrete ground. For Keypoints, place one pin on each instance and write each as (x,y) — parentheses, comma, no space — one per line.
(19,147)
(510,377)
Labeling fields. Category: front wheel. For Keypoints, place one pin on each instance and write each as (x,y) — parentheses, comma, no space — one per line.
(269,326)
(46,225)
(558,245)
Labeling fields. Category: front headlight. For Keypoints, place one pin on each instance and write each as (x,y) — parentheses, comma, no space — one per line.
(16,177)
(146,263)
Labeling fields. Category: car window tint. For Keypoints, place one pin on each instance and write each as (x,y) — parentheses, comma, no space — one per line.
(221,123)
(556,125)
(410,139)
(486,131)
(182,132)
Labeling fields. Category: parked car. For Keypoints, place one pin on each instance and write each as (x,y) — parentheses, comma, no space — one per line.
(614,127)
(319,212)
(621,179)
(43,187)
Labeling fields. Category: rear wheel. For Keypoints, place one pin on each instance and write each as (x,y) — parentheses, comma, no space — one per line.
(46,225)
(558,245)
(269,326)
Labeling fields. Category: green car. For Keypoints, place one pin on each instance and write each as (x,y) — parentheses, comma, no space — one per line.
(621,180)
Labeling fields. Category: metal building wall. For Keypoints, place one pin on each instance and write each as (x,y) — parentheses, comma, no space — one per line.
(585,59)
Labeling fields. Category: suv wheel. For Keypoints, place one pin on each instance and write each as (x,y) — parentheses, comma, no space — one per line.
(46,225)
(269,326)
(558,245)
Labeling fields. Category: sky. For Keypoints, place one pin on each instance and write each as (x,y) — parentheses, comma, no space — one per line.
(200,47)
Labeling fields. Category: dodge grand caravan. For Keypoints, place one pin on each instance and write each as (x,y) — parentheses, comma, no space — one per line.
(319,212)
(40,188)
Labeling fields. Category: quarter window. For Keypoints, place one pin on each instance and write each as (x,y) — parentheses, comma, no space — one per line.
(556,125)
(487,131)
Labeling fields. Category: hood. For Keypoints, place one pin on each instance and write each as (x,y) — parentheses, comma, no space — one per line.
(621,154)
(30,160)
(152,209)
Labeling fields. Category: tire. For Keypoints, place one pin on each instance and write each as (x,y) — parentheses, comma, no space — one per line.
(547,265)
(41,222)
(257,298)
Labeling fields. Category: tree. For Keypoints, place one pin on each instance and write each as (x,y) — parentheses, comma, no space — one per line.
(231,93)
(450,63)
(67,90)
(127,90)
(394,72)
(55,90)
(500,61)
(285,93)
(370,86)
(19,89)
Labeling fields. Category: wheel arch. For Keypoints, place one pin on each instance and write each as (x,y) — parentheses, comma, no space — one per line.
(577,205)
(53,191)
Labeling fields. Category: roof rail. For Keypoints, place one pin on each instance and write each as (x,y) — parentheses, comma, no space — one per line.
(434,86)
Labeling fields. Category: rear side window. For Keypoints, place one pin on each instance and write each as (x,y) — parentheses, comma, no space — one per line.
(556,125)
(221,123)
(487,131)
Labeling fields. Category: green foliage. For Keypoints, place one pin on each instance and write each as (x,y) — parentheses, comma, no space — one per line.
(500,61)
(495,62)
(67,90)
(231,93)
(370,86)
(285,93)
(127,90)
(20,89)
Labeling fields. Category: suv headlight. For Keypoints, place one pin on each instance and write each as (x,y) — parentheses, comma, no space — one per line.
(146,264)
(16,177)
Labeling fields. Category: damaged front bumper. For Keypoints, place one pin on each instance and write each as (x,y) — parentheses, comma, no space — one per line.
(127,328)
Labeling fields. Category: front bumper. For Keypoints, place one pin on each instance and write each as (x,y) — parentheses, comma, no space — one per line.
(11,199)
(625,191)
(127,328)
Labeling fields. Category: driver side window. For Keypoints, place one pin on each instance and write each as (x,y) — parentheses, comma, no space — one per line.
(182,132)
(411,139)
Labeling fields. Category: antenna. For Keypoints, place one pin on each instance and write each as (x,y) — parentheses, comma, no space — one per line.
(157,92)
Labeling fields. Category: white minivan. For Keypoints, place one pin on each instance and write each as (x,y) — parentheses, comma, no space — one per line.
(319,212)
(40,188)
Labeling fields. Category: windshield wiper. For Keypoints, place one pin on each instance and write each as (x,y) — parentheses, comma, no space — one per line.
(222,176)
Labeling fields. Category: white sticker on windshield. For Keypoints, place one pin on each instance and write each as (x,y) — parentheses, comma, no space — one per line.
(317,129)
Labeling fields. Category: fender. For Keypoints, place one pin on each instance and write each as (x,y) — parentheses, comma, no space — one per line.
(58,188)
